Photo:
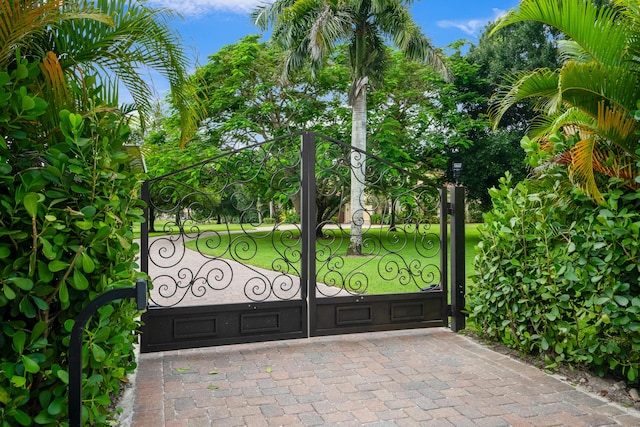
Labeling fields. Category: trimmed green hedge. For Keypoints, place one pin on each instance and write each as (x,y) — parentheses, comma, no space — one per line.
(559,276)
(67,207)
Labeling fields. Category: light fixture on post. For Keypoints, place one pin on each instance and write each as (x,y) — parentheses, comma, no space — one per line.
(457,170)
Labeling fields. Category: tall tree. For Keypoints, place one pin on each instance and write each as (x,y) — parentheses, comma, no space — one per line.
(524,46)
(311,30)
(248,102)
(588,100)
(485,69)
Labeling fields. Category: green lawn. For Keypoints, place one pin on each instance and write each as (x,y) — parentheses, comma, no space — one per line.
(471,239)
(393,262)
(169,227)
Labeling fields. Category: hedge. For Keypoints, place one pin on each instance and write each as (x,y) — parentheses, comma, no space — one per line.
(67,208)
(558,275)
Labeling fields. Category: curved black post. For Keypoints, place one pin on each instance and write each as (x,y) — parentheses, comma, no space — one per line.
(75,344)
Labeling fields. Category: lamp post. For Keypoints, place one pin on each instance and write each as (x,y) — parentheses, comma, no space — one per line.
(457,170)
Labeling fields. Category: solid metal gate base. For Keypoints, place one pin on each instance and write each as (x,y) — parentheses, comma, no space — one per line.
(204,326)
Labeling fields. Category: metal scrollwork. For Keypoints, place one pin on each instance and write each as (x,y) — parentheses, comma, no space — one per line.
(398,215)
(193,262)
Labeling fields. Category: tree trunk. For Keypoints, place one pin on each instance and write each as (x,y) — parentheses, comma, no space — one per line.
(392,226)
(296,202)
(152,219)
(358,164)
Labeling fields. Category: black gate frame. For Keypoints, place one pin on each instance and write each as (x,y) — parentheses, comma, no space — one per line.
(171,328)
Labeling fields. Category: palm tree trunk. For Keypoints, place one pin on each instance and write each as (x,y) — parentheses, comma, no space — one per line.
(358,164)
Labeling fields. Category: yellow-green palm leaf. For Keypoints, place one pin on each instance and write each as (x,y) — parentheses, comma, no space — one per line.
(25,23)
(540,85)
(592,95)
(596,30)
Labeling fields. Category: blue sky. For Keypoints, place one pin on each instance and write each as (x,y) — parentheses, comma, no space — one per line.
(207,25)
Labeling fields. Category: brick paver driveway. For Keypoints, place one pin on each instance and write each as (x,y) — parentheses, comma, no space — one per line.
(429,377)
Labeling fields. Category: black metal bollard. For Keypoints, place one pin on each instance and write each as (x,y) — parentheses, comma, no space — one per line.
(139,292)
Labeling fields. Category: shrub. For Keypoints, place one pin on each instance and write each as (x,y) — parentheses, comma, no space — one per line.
(559,276)
(291,217)
(67,209)
(475,212)
(376,219)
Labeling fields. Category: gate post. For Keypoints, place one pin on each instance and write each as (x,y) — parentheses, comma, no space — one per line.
(308,228)
(144,228)
(444,252)
(458,321)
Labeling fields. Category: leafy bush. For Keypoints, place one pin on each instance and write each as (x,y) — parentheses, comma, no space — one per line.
(559,276)
(67,209)
(290,217)
(475,212)
(377,219)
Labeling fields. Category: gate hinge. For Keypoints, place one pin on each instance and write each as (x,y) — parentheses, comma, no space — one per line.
(449,208)
(449,310)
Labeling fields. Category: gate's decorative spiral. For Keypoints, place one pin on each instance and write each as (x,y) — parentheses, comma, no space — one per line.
(253,197)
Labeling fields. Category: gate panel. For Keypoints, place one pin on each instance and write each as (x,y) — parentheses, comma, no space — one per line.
(377,313)
(211,284)
(398,278)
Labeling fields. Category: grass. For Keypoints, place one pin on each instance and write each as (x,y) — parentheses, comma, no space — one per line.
(170,228)
(471,239)
(393,262)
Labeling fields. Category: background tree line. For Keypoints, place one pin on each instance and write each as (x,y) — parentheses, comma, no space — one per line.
(415,118)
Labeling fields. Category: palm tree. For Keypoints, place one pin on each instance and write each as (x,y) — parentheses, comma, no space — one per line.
(590,98)
(310,31)
(106,40)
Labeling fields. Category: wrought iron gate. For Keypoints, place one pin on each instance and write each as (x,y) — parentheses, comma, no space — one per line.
(258,244)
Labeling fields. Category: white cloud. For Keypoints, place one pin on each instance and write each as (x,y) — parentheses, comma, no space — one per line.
(200,7)
(471,26)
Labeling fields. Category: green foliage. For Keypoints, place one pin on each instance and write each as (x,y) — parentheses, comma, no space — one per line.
(558,275)
(249,102)
(479,74)
(378,219)
(66,214)
(524,46)
(290,217)
(414,117)
(578,99)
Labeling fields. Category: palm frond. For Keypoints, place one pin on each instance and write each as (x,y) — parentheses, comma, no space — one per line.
(409,39)
(630,10)
(569,50)
(614,163)
(540,84)
(581,21)
(618,127)
(581,170)
(588,84)
(268,13)
(55,84)
(570,121)
(25,24)
(139,38)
